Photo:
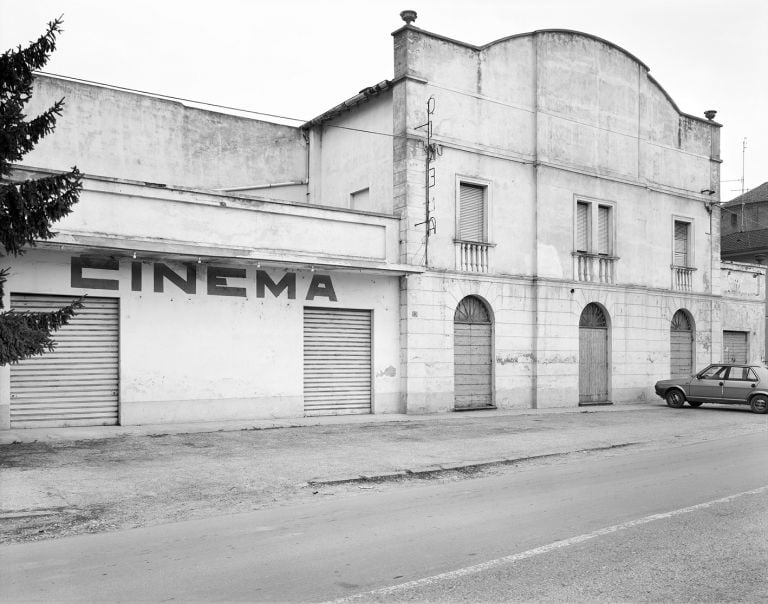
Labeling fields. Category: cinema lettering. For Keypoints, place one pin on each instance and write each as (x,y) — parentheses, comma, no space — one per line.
(219,280)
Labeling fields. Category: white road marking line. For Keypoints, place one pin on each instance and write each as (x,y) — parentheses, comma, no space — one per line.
(477,568)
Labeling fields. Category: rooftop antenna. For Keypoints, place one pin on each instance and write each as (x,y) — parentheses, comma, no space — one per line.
(743,158)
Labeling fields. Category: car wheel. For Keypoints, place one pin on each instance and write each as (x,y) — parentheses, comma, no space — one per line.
(759,404)
(675,399)
(694,403)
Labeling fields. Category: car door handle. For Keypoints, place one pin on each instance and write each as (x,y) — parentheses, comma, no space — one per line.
(753,385)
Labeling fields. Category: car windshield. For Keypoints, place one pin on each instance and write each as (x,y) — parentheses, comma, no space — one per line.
(716,372)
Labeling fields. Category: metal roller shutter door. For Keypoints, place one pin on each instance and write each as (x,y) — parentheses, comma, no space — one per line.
(77,383)
(337,361)
(734,346)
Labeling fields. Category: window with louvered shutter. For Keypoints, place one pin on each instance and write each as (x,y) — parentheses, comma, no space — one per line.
(604,230)
(681,243)
(582,226)
(472,213)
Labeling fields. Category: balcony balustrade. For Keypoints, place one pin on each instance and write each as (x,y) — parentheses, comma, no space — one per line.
(682,278)
(473,256)
(594,268)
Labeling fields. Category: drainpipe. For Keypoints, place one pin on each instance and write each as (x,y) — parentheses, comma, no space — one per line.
(536,331)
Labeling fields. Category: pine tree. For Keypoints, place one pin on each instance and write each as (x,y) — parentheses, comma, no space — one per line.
(29,208)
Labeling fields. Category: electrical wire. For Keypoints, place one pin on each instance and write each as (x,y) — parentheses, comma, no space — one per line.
(304,121)
(217,105)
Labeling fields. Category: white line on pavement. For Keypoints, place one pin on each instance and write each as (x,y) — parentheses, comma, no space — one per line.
(477,568)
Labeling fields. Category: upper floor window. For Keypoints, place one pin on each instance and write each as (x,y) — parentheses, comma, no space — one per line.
(594,255)
(594,228)
(360,200)
(473,247)
(473,212)
(682,245)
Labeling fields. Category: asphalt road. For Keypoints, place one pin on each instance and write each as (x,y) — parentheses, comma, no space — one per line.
(684,523)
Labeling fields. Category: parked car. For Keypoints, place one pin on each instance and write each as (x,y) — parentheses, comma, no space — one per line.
(728,383)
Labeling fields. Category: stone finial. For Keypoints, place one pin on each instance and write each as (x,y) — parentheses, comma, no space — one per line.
(710,114)
(409,16)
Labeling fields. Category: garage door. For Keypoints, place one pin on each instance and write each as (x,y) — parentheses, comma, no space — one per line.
(734,347)
(77,383)
(337,361)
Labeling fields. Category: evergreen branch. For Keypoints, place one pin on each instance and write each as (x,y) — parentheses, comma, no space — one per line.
(27,209)
(27,334)
(17,137)
(17,65)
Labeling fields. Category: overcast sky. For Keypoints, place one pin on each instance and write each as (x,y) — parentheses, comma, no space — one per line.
(298,58)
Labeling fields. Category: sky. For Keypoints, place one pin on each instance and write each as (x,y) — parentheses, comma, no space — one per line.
(298,58)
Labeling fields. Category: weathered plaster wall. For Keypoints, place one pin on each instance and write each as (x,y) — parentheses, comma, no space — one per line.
(108,132)
(135,217)
(536,337)
(644,230)
(354,152)
(198,357)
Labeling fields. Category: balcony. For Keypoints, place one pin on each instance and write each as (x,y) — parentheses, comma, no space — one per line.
(682,278)
(594,268)
(473,256)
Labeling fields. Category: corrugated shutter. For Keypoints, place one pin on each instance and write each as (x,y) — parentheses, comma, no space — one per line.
(734,347)
(337,361)
(681,243)
(603,232)
(582,227)
(472,213)
(77,383)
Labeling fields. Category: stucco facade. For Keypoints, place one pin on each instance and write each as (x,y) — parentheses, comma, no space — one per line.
(536,253)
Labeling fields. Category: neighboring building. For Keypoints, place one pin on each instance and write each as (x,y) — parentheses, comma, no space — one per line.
(237,269)
(744,233)
(744,229)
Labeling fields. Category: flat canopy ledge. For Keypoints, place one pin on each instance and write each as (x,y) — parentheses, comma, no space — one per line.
(185,253)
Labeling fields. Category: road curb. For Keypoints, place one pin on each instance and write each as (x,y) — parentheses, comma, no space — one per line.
(465,467)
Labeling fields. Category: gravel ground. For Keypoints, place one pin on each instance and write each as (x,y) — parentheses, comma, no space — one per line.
(49,490)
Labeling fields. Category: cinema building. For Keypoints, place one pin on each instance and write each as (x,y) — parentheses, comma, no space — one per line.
(530,223)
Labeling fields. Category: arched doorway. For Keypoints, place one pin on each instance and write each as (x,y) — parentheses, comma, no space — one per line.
(593,356)
(472,355)
(681,345)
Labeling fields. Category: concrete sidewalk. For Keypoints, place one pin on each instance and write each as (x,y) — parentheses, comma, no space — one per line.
(30,435)
(57,482)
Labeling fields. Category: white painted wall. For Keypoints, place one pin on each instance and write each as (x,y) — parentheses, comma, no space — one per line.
(199,357)
(107,132)
(353,152)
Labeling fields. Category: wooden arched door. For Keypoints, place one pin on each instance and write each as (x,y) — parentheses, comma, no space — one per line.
(472,355)
(593,356)
(681,345)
